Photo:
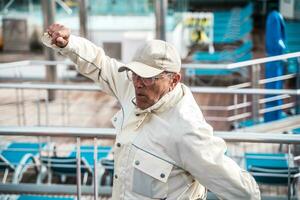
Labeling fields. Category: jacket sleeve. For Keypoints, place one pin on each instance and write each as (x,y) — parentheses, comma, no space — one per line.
(92,62)
(203,156)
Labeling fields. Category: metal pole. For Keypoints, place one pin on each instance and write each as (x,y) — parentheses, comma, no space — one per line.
(48,10)
(83,17)
(297,87)
(235,111)
(289,172)
(161,8)
(23,107)
(95,169)
(78,158)
(18,107)
(255,98)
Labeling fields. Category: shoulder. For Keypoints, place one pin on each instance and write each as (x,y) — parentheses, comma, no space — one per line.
(187,119)
(188,111)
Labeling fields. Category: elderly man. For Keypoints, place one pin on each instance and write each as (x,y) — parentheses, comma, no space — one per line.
(164,148)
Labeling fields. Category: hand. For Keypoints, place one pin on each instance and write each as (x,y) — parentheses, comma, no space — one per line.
(59,35)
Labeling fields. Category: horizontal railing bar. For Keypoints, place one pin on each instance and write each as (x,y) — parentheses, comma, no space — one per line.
(275,108)
(227,108)
(241,85)
(22,188)
(216,119)
(238,116)
(238,106)
(224,90)
(92,87)
(108,133)
(239,136)
(111,133)
(274,175)
(15,64)
(204,66)
(242,64)
(214,108)
(187,65)
(49,62)
(50,86)
(263,60)
(269,99)
(277,78)
(25,63)
(46,150)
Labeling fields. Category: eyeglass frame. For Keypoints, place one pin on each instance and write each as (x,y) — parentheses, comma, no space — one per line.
(152,79)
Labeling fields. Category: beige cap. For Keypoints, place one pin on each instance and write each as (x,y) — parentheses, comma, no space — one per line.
(153,58)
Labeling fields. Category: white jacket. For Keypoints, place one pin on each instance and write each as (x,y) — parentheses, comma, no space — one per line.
(167,151)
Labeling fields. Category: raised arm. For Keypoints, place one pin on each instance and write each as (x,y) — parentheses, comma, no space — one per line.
(90,60)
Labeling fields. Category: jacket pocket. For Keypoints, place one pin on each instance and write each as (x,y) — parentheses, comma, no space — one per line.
(150,175)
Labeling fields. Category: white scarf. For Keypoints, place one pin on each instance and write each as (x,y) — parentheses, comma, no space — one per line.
(168,101)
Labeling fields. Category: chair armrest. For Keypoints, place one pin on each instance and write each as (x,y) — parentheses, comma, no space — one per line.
(296,158)
(22,167)
(292,170)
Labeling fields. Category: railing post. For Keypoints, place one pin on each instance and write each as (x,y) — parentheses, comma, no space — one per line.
(95,169)
(48,8)
(161,12)
(49,163)
(235,111)
(78,158)
(23,107)
(83,18)
(298,87)
(38,110)
(289,172)
(18,107)
(47,111)
(63,109)
(255,70)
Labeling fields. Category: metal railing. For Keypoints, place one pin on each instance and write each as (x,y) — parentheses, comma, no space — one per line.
(255,81)
(243,105)
(100,133)
(238,109)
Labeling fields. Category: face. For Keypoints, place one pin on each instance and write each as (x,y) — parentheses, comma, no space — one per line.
(147,95)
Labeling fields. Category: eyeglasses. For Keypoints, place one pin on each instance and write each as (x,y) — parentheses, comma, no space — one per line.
(146,81)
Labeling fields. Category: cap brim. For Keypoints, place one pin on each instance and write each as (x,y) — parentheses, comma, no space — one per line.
(141,69)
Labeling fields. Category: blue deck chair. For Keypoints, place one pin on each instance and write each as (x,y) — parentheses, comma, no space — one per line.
(87,152)
(235,55)
(273,169)
(292,35)
(107,178)
(233,26)
(231,34)
(66,166)
(5,167)
(242,53)
(296,147)
(17,157)
(296,131)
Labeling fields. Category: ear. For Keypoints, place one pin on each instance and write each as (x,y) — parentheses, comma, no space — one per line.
(175,80)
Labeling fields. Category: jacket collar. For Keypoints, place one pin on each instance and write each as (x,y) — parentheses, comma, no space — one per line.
(169,100)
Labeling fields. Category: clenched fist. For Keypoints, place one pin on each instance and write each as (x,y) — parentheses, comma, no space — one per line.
(59,35)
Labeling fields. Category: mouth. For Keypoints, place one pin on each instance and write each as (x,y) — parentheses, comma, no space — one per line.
(140,96)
